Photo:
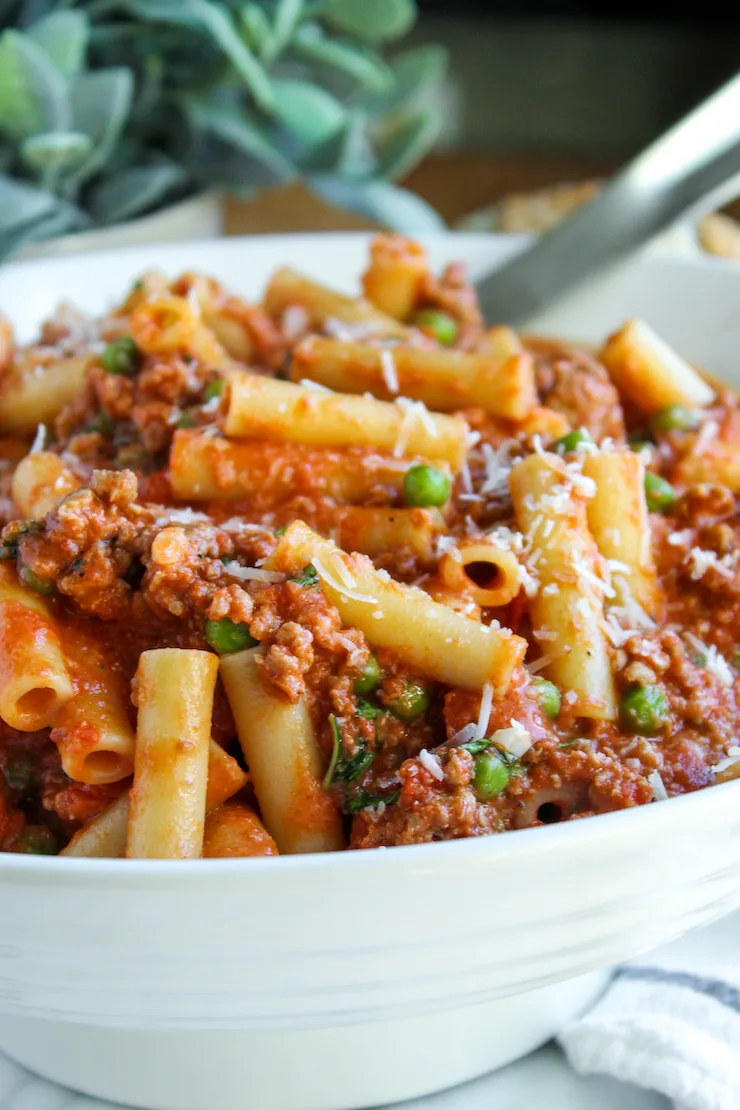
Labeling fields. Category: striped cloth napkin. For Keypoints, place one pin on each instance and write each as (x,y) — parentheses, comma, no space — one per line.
(670,1022)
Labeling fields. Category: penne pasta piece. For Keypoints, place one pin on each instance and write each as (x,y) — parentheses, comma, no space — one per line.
(262,408)
(40,481)
(285,764)
(235,830)
(34,679)
(92,730)
(204,468)
(170,325)
(567,607)
(443,380)
(105,835)
(229,330)
(288,289)
(374,531)
(501,342)
(394,280)
(649,372)
(483,570)
(619,522)
(544,422)
(168,797)
(429,637)
(32,393)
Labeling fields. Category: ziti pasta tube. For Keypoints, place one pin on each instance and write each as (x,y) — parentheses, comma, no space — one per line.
(567,608)
(486,572)
(206,468)
(168,798)
(262,408)
(649,372)
(34,393)
(284,760)
(429,637)
(34,678)
(394,279)
(288,289)
(105,835)
(443,380)
(618,520)
(235,830)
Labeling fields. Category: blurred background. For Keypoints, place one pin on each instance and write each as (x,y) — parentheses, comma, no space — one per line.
(282,115)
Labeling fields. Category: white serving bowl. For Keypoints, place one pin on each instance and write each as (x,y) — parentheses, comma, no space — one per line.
(330,982)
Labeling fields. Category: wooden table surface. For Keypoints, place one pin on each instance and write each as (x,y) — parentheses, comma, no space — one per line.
(453,183)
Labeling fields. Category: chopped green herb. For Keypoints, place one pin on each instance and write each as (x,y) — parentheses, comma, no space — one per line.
(187,419)
(440,325)
(309,576)
(364,800)
(281,531)
(76,565)
(659,494)
(345,768)
(425,485)
(367,709)
(38,585)
(138,286)
(213,389)
(336,737)
(37,840)
(475,747)
(226,636)
(122,356)
(370,677)
(8,550)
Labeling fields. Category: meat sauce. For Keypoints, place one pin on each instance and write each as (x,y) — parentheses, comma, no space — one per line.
(139,569)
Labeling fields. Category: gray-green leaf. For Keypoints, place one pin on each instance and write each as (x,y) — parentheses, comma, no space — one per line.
(59,150)
(240,130)
(371,20)
(255,27)
(135,191)
(64,36)
(406,142)
(33,93)
(417,73)
(358,62)
(386,204)
(348,153)
(101,102)
(287,14)
(307,111)
(215,21)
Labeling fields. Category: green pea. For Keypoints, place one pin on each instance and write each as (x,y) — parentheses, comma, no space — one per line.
(213,389)
(369,678)
(490,777)
(572,441)
(440,325)
(37,840)
(659,494)
(676,418)
(21,771)
(226,636)
(645,710)
(426,485)
(547,695)
(122,356)
(412,702)
(38,585)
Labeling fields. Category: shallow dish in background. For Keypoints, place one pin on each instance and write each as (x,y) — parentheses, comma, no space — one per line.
(361,978)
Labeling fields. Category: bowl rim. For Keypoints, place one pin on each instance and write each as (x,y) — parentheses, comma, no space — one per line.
(514,843)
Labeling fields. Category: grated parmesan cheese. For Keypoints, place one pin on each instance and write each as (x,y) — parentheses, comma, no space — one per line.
(431,764)
(707,433)
(294,321)
(413,412)
(700,560)
(515,740)
(39,440)
(317,387)
(354,332)
(340,587)
(253,574)
(486,702)
(660,794)
(463,735)
(181,516)
(388,370)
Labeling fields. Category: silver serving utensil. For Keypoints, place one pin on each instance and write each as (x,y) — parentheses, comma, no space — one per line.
(692,168)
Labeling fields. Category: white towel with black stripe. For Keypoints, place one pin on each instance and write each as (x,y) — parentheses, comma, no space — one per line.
(670,1022)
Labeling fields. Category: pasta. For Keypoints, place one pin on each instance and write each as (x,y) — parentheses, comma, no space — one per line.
(325,572)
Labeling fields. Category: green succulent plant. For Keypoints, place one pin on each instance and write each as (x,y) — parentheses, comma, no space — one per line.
(113,108)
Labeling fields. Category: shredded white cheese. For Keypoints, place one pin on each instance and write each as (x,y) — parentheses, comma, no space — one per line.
(388,370)
(463,735)
(181,516)
(486,702)
(660,794)
(253,574)
(294,321)
(700,560)
(340,587)
(39,440)
(431,764)
(317,387)
(515,740)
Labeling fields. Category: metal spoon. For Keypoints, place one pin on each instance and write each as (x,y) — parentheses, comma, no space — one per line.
(692,168)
